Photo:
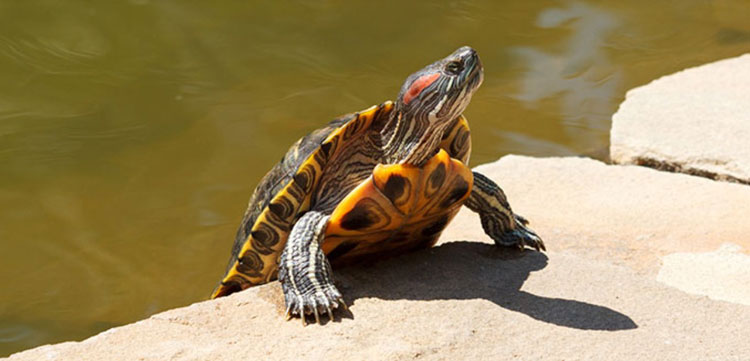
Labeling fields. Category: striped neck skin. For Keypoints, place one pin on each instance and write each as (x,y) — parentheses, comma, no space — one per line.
(409,140)
(429,100)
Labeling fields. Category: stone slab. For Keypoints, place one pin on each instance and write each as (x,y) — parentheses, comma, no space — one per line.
(596,294)
(696,121)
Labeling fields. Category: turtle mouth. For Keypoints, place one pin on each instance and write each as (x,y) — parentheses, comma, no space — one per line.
(475,78)
(461,96)
(476,75)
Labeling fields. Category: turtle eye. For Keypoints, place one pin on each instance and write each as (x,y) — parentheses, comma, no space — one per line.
(453,67)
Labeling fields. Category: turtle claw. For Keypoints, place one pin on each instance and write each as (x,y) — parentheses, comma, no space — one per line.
(521,219)
(288,313)
(315,312)
(330,313)
(343,305)
(316,303)
(520,237)
(527,237)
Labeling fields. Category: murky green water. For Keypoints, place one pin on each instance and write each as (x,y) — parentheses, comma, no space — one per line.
(132,132)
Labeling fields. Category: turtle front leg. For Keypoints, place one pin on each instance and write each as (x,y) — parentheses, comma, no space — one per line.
(498,220)
(304,272)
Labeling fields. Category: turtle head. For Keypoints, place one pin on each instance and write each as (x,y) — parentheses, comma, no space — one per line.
(429,100)
(442,90)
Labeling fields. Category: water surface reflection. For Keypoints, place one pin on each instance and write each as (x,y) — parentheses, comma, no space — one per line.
(581,76)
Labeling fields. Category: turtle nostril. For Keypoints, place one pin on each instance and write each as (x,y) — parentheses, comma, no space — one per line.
(468,52)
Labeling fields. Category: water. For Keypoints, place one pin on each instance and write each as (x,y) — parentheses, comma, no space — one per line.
(132,133)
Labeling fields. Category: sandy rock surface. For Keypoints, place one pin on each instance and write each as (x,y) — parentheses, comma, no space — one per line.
(602,291)
(696,121)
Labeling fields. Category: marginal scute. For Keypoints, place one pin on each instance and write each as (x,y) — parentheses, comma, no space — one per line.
(360,120)
(304,178)
(459,141)
(281,207)
(326,148)
(247,228)
(250,264)
(456,140)
(264,238)
(232,286)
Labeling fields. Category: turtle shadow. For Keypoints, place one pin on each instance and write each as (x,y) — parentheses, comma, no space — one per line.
(470,270)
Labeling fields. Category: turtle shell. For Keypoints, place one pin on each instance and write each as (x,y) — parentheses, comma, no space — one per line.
(375,208)
(287,191)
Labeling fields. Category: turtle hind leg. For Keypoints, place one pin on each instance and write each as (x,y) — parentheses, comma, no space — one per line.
(304,272)
(498,220)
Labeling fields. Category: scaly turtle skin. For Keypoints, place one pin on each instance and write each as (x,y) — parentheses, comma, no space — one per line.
(385,180)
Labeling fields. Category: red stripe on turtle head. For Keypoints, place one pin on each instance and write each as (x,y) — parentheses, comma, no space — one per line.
(418,85)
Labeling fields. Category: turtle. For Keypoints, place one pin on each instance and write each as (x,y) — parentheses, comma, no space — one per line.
(379,182)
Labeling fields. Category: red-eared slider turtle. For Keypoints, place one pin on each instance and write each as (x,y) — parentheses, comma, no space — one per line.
(381,181)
